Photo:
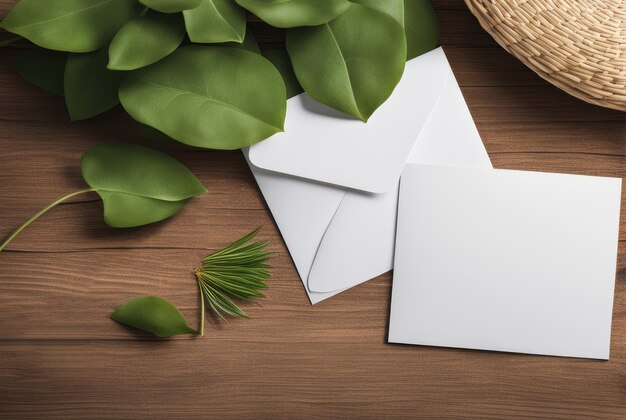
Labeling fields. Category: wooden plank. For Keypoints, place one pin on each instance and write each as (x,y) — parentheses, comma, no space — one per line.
(275,376)
(69,295)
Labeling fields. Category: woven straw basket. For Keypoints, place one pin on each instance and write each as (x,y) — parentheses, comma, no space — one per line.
(577,45)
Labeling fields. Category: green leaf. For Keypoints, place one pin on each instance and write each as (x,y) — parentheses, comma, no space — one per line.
(43,68)
(138,185)
(90,88)
(293,13)
(421,26)
(154,315)
(216,21)
(280,60)
(125,210)
(170,6)
(69,25)
(249,44)
(352,63)
(150,133)
(146,40)
(418,18)
(212,97)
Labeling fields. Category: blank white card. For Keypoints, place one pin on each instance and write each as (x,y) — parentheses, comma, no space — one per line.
(505,260)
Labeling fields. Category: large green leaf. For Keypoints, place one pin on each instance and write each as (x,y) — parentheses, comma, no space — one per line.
(170,6)
(146,40)
(70,25)
(280,60)
(216,21)
(418,18)
(293,13)
(212,97)
(138,185)
(90,88)
(154,315)
(352,63)
(43,68)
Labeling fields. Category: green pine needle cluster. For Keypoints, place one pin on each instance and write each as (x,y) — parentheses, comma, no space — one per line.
(236,272)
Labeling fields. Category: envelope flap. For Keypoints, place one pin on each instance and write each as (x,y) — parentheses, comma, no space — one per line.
(321,144)
(358,241)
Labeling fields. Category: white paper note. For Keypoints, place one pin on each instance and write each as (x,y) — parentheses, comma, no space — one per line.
(505,260)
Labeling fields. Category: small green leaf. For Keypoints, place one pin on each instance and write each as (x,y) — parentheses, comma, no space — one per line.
(352,63)
(293,13)
(90,88)
(126,210)
(69,25)
(216,21)
(170,6)
(418,18)
(212,97)
(43,68)
(280,60)
(146,40)
(138,185)
(154,315)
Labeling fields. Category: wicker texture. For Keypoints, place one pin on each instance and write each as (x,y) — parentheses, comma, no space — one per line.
(577,45)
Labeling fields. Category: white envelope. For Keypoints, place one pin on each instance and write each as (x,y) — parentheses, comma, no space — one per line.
(331,182)
(505,260)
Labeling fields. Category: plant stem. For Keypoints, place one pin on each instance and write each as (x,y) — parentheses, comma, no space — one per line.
(201,305)
(38,214)
(10,41)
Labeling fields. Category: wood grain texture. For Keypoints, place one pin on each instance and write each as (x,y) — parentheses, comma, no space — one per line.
(61,357)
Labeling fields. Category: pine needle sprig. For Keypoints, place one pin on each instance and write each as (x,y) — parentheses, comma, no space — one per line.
(235,272)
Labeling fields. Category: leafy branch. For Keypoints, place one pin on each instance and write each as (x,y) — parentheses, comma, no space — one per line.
(154,56)
(235,272)
(137,185)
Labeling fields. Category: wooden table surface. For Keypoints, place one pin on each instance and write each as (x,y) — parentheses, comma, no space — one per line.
(60,355)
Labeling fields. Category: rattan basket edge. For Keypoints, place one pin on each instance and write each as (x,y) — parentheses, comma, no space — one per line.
(527,30)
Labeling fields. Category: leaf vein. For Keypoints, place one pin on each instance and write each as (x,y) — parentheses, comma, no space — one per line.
(102,2)
(345,63)
(208,98)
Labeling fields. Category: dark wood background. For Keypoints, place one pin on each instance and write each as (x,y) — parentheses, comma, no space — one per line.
(60,355)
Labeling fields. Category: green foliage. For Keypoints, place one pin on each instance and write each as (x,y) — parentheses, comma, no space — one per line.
(294,13)
(138,185)
(235,272)
(212,97)
(170,6)
(154,315)
(421,27)
(238,272)
(336,62)
(43,68)
(418,18)
(249,44)
(69,25)
(216,21)
(146,40)
(280,60)
(90,88)
(348,54)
